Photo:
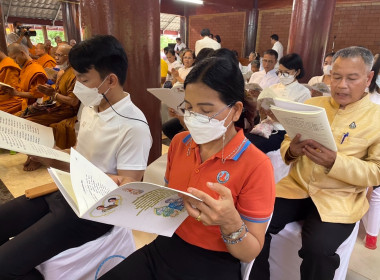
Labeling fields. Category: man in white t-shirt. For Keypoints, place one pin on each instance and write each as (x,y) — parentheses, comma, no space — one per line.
(277,46)
(267,77)
(206,42)
(178,47)
(113,135)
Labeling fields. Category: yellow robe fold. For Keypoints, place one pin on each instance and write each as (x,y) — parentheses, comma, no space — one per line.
(9,74)
(46,61)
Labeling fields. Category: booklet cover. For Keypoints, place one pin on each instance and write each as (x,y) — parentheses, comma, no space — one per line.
(173,97)
(142,206)
(308,120)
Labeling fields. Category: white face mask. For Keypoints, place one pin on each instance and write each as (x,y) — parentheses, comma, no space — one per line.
(327,70)
(286,80)
(89,96)
(202,129)
(378,81)
(63,66)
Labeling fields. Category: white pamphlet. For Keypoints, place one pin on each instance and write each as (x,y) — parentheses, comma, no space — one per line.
(308,120)
(173,97)
(94,196)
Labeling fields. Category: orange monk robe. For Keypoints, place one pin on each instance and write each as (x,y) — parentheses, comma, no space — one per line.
(31,75)
(46,61)
(9,74)
(64,86)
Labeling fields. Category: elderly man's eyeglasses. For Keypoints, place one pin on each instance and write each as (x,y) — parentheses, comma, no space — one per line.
(60,55)
(200,117)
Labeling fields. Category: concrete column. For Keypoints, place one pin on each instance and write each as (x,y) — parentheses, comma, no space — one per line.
(309,33)
(44,32)
(71,20)
(136,24)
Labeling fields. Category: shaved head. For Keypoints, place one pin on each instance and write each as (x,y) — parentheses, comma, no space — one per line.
(64,49)
(17,48)
(41,49)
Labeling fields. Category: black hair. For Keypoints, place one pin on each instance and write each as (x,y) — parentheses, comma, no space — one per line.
(271,52)
(203,53)
(170,50)
(274,37)
(375,68)
(236,53)
(218,39)
(224,76)
(205,32)
(104,53)
(15,23)
(166,49)
(256,62)
(293,61)
(330,54)
(226,53)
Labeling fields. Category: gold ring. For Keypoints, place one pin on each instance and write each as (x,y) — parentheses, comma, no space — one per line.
(199,217)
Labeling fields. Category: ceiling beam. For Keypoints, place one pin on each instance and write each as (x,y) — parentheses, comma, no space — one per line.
(56,15)
(169,22)
(36,21)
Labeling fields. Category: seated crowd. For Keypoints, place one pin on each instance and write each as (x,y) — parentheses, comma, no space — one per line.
(224,126)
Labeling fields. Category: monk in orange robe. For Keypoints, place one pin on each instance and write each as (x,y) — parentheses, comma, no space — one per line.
(63,104)
(44,59)
(31,75)
(9,74)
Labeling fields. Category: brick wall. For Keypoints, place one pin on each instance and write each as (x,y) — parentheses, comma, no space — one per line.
(356,24)
(273,22)
(353,24)
(229,26)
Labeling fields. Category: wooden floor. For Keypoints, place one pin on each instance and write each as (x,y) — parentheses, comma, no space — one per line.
(364,263)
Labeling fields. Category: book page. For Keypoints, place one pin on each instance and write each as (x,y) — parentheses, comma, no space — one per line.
(141,206)
(26,130)
(5,85)
(90,183)
(310,124)
(13,143)
(171,97)
(63,181)
(295,106)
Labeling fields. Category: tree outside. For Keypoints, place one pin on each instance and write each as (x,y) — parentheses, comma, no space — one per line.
(51,35)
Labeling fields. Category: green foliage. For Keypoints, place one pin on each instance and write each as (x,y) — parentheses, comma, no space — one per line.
(51,35)
(165,40)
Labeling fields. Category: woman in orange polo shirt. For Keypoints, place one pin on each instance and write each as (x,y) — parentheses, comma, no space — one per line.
(234,180)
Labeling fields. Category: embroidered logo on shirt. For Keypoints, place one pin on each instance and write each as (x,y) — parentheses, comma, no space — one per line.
(352,125)
(223,177)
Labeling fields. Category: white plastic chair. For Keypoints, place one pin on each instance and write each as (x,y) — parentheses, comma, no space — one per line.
(92,259)
(285,262)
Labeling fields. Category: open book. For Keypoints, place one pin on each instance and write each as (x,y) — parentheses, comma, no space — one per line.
(94,196)
(173,97)
(308,120)
(23,136)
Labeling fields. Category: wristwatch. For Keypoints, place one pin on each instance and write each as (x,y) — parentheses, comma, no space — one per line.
(235,235)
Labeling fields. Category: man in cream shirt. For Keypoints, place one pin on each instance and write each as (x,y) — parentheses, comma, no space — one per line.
(277,46)
(327,189)
(206,42)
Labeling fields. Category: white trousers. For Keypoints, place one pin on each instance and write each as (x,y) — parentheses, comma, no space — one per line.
(371,219)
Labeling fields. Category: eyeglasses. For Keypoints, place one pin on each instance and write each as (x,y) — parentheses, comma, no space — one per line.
(284,74)
(200,117)
(60,55)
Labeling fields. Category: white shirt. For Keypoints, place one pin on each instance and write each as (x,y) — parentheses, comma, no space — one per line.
(315,80)
(13,37)
(183,72)
(264,79)
(112,142)
(294,91)
(179,47)
(175,64)
(375,97)
(206,42)
(279,49)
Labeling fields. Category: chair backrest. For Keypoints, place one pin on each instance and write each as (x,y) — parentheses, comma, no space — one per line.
(245,268)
